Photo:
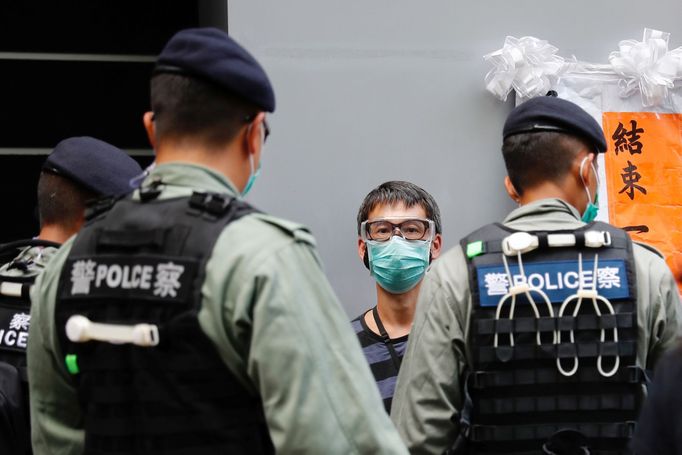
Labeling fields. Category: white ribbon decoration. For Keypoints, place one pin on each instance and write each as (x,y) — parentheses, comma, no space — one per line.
(528,65)
(647,65)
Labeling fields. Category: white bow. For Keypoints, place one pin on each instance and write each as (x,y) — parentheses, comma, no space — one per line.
(528,65)
(648,66)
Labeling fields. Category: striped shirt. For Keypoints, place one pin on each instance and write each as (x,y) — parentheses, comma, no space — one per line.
(379,357)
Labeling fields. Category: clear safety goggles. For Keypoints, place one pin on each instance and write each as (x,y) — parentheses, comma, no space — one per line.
(409,228)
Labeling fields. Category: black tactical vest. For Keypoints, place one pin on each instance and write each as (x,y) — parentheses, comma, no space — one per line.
(144,262)
(518,402)
(15,319)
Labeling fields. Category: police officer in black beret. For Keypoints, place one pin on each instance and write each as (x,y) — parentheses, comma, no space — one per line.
(79,169)
(184,321)
(531,336)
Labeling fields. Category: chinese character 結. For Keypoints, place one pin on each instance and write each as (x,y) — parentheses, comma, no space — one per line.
(627,141)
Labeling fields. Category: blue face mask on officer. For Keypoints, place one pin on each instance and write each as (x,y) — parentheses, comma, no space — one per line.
(592,208)
(398,262)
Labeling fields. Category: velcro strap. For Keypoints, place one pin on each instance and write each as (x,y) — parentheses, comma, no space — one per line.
(548,324)
(132,239)
(603,402)
(538,376)
(487,354)
(166,424)
(516,325)
(594,322)
(483,433)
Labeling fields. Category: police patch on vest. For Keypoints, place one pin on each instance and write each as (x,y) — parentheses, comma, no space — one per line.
(558,279)
(140,277)
(14,324)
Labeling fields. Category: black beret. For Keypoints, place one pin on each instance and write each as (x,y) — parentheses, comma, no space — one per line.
(210,54)
(94,164)
(548,113)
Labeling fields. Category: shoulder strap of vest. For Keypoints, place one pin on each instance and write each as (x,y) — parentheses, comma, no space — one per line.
(650,248)
(485,240)
(96,207)
(25,243)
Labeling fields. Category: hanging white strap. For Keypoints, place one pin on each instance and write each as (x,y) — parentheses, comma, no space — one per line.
(80,329)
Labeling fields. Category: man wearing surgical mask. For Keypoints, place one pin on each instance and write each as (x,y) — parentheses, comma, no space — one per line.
(399,234)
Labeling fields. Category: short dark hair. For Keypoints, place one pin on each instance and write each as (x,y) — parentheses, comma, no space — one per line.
(395,192)
(186,106)
(61,201)
(533,158)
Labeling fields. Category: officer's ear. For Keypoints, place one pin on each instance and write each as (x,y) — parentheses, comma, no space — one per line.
(150,127)
(511,191)
(585,173)
(254,135)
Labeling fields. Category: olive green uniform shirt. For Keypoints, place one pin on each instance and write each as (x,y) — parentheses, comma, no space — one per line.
(428,394)
(275,321)
(33,258)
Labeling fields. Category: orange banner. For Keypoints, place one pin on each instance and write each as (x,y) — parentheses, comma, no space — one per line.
(644,179)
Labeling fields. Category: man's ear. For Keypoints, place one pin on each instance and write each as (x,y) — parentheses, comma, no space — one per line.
(436,246)
(511,191)
(362,252)
(150,127)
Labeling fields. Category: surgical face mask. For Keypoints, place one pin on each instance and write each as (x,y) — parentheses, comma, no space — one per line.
(252,177)
(398,264)
(592,208)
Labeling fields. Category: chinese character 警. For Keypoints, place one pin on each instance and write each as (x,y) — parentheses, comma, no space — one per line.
(82,274)
(496,283)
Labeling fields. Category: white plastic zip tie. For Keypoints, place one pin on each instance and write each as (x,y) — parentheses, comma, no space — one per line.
(80,329)
(593,295)
(522,288)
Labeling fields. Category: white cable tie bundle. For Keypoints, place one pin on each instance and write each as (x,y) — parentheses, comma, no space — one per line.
(528,65)
(647,66)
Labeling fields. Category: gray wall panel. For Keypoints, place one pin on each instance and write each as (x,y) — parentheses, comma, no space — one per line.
(371,90)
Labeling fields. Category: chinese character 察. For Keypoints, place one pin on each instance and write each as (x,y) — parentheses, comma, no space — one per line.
(167,279)
(608,277)
(20,321)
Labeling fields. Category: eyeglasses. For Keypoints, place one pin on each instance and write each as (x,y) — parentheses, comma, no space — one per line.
(382,229)
(266,127)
